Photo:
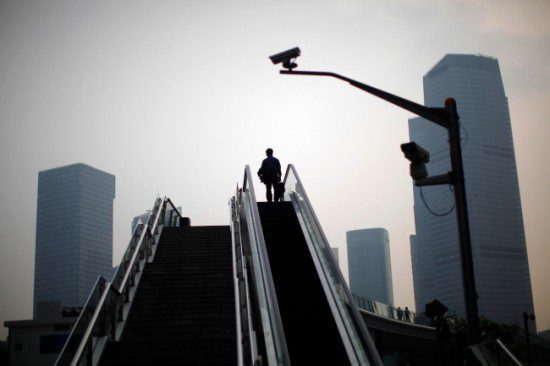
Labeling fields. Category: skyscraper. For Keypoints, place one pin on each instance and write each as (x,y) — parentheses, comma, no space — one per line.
(370,265)
(143,217)
(496,222)
(74,233)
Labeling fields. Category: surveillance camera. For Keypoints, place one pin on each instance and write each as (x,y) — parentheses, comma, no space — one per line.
(418,158)
(415,153)
(286,58)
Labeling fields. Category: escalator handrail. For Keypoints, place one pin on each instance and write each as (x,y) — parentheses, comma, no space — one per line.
(366,340)
(276,325)
(95,317)
(112,292)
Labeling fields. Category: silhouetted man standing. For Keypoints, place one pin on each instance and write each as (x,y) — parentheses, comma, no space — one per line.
(399,313)
(270,173)
(407,315)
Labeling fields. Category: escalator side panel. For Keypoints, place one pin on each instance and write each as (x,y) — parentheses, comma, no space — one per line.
(311,333)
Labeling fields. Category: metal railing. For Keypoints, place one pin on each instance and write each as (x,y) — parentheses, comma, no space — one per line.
(261,333)
(491,353)
(355,336)
(240,288)
(106,311)
(389,311)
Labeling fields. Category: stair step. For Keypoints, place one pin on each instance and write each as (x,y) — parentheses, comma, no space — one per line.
(179,325)
(194,267)
(188,273)
(171,335)
(181,316)
(178,352)
(179,279)
(165,280)
(153,344)
(191,305)
(173,290)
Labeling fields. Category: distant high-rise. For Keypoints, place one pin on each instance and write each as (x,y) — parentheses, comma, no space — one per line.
(496,221)
(143,217)
(370,265)
(74,233)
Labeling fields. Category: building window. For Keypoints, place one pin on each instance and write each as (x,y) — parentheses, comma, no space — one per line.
(52,343)
(62,327)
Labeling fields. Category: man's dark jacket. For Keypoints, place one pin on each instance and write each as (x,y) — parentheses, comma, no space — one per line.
(270,172)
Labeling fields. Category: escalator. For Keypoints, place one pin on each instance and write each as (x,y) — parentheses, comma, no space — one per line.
(295,306)
(312,336)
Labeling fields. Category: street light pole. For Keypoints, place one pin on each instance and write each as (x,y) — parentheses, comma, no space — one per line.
(447,118)
(466,257)
(526,318)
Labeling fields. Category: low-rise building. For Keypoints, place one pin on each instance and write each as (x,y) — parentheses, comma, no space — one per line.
(38,341)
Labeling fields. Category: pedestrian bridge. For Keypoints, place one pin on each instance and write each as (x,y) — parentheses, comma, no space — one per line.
(263,290)
(393,335)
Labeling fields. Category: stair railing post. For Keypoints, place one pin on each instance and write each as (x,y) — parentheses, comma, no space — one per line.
(102,324)
(120,308)
(89,352)
(149,246)
(114,316)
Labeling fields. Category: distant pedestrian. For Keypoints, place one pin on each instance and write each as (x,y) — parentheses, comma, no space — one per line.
(270,173)
(399,314)
(407,314)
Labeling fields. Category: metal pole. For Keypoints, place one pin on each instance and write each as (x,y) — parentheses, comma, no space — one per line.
(527,340)
(468,278)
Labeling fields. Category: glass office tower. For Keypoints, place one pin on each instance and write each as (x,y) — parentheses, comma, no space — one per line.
(369,264)
(496,221)
(143,217)
(74,233)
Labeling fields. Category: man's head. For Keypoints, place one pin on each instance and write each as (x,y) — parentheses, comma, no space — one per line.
(269,152)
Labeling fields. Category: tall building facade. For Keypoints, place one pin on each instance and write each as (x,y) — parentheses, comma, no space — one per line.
(143,217)
(496,221)
(370,265)
(74,233)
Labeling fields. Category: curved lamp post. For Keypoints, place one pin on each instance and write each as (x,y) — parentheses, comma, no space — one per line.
(446,117)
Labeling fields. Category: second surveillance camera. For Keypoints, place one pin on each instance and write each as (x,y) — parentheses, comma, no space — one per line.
(286,57)
(418,158)
(415,153)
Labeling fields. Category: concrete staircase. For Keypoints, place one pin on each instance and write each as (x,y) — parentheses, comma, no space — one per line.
(184,310)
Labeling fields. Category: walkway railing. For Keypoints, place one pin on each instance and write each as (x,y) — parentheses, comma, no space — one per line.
(106,311)
(389,311)
(492,352)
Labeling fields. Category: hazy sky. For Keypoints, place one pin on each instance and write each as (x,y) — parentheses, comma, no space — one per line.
(175,97)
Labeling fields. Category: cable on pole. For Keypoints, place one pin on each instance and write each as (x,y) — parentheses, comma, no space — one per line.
(430,210)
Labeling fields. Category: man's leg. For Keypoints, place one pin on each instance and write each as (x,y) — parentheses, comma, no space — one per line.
(268,192)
